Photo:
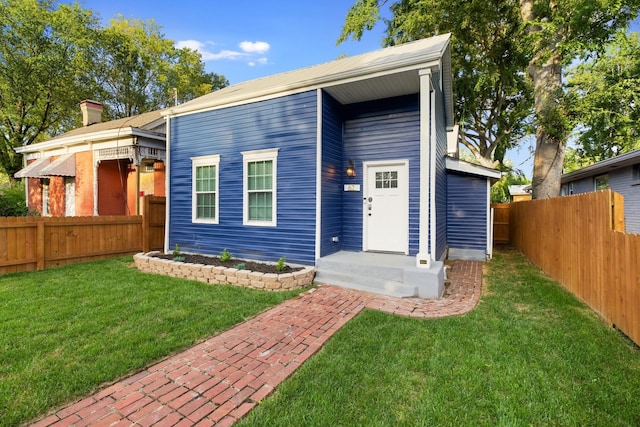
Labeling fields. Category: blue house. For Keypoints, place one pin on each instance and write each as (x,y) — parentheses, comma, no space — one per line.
(620,173)
(324,164)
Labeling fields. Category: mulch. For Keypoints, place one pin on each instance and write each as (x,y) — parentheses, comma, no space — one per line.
(232,263)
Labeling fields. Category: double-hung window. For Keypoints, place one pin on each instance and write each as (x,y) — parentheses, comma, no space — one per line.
(601,182)
(259,178)
(205,193)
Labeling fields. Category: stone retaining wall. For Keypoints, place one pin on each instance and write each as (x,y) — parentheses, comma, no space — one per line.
(224,275)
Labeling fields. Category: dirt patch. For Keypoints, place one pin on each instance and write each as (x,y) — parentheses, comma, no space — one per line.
(232,263)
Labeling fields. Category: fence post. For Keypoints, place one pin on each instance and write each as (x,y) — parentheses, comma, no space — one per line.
(40,245)
(617,211)
(146,235)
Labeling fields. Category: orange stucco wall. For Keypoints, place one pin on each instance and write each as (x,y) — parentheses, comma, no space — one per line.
(84,184)
(56,196)
(35,194)
(159,179)
(111,189)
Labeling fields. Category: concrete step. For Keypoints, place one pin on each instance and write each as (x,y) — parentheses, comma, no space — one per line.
(366,283)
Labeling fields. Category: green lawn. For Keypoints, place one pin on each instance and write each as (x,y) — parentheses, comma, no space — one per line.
(66,331)
(529,354)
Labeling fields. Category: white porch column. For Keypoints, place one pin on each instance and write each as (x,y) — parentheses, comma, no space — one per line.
(96,165)
(423,258)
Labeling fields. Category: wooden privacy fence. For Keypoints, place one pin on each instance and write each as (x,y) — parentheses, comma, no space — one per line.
(36,243)
(580,242)
(500,223)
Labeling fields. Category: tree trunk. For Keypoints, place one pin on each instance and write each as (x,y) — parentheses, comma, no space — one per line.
(545,70)
(550,144)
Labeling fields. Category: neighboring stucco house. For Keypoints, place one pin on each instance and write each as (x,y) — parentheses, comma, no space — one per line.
(620,173)
(101,168)
(350,155)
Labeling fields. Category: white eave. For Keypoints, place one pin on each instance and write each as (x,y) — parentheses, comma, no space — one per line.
(106,135)
(617,162)
(384,73)
(461,166)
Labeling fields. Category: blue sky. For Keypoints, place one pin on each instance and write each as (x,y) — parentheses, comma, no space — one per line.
(248,39)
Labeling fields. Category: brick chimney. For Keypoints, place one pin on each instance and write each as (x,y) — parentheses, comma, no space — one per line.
(91,112)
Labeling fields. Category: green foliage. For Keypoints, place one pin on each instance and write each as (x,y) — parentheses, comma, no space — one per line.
(241,266)
(500,190)
(280,265)
(138,69)
(45,51)
(496,44)
(12,200)
(53,55)
(177,255)
(225,255)
(492,96)
(67,331)
(604,100)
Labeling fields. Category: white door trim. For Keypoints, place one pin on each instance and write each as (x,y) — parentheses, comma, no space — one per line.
(405,199)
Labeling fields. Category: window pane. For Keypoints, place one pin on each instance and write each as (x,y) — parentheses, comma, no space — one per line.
(260,176)
(205,178)
(206,205)
(260,206)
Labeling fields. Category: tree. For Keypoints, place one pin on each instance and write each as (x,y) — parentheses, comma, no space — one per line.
(604,101)
(44,56)
(492,95)
(559,32)
(553,33)
(54,55)
(138,69)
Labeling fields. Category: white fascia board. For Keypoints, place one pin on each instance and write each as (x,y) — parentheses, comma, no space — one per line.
(111,134)
(470,168)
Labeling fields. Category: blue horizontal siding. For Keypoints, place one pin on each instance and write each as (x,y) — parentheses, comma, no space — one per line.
(388,130)
(287,123)
(332,175)
(466,212)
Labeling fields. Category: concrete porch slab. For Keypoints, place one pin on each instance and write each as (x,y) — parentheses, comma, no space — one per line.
(382,273)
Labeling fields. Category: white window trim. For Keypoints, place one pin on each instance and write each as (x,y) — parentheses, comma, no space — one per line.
(213,160)
(254,156)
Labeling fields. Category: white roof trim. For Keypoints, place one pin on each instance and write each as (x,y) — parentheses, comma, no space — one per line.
(89,137)
(604,166)
(416,55)
(471,169)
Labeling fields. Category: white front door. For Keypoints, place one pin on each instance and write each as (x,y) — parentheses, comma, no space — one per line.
(386,207)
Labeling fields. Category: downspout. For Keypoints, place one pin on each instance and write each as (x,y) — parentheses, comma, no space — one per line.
(318,174)
(167,188)
(423,258)
(433,149)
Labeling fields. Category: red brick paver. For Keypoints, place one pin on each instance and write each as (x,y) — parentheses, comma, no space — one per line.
(220,380)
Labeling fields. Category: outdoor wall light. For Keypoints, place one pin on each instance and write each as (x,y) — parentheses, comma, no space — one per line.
(351,169)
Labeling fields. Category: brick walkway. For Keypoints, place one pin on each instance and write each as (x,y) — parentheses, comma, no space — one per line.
(220,380)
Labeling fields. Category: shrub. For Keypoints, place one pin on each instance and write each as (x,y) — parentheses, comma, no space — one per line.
(13,201)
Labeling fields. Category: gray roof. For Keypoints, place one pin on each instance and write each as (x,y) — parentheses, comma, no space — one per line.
(604,166)
(141,121)
(384,73)
(520,190)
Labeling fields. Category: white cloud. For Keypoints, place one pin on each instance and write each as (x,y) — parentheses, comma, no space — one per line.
(249,51)
(255,47)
